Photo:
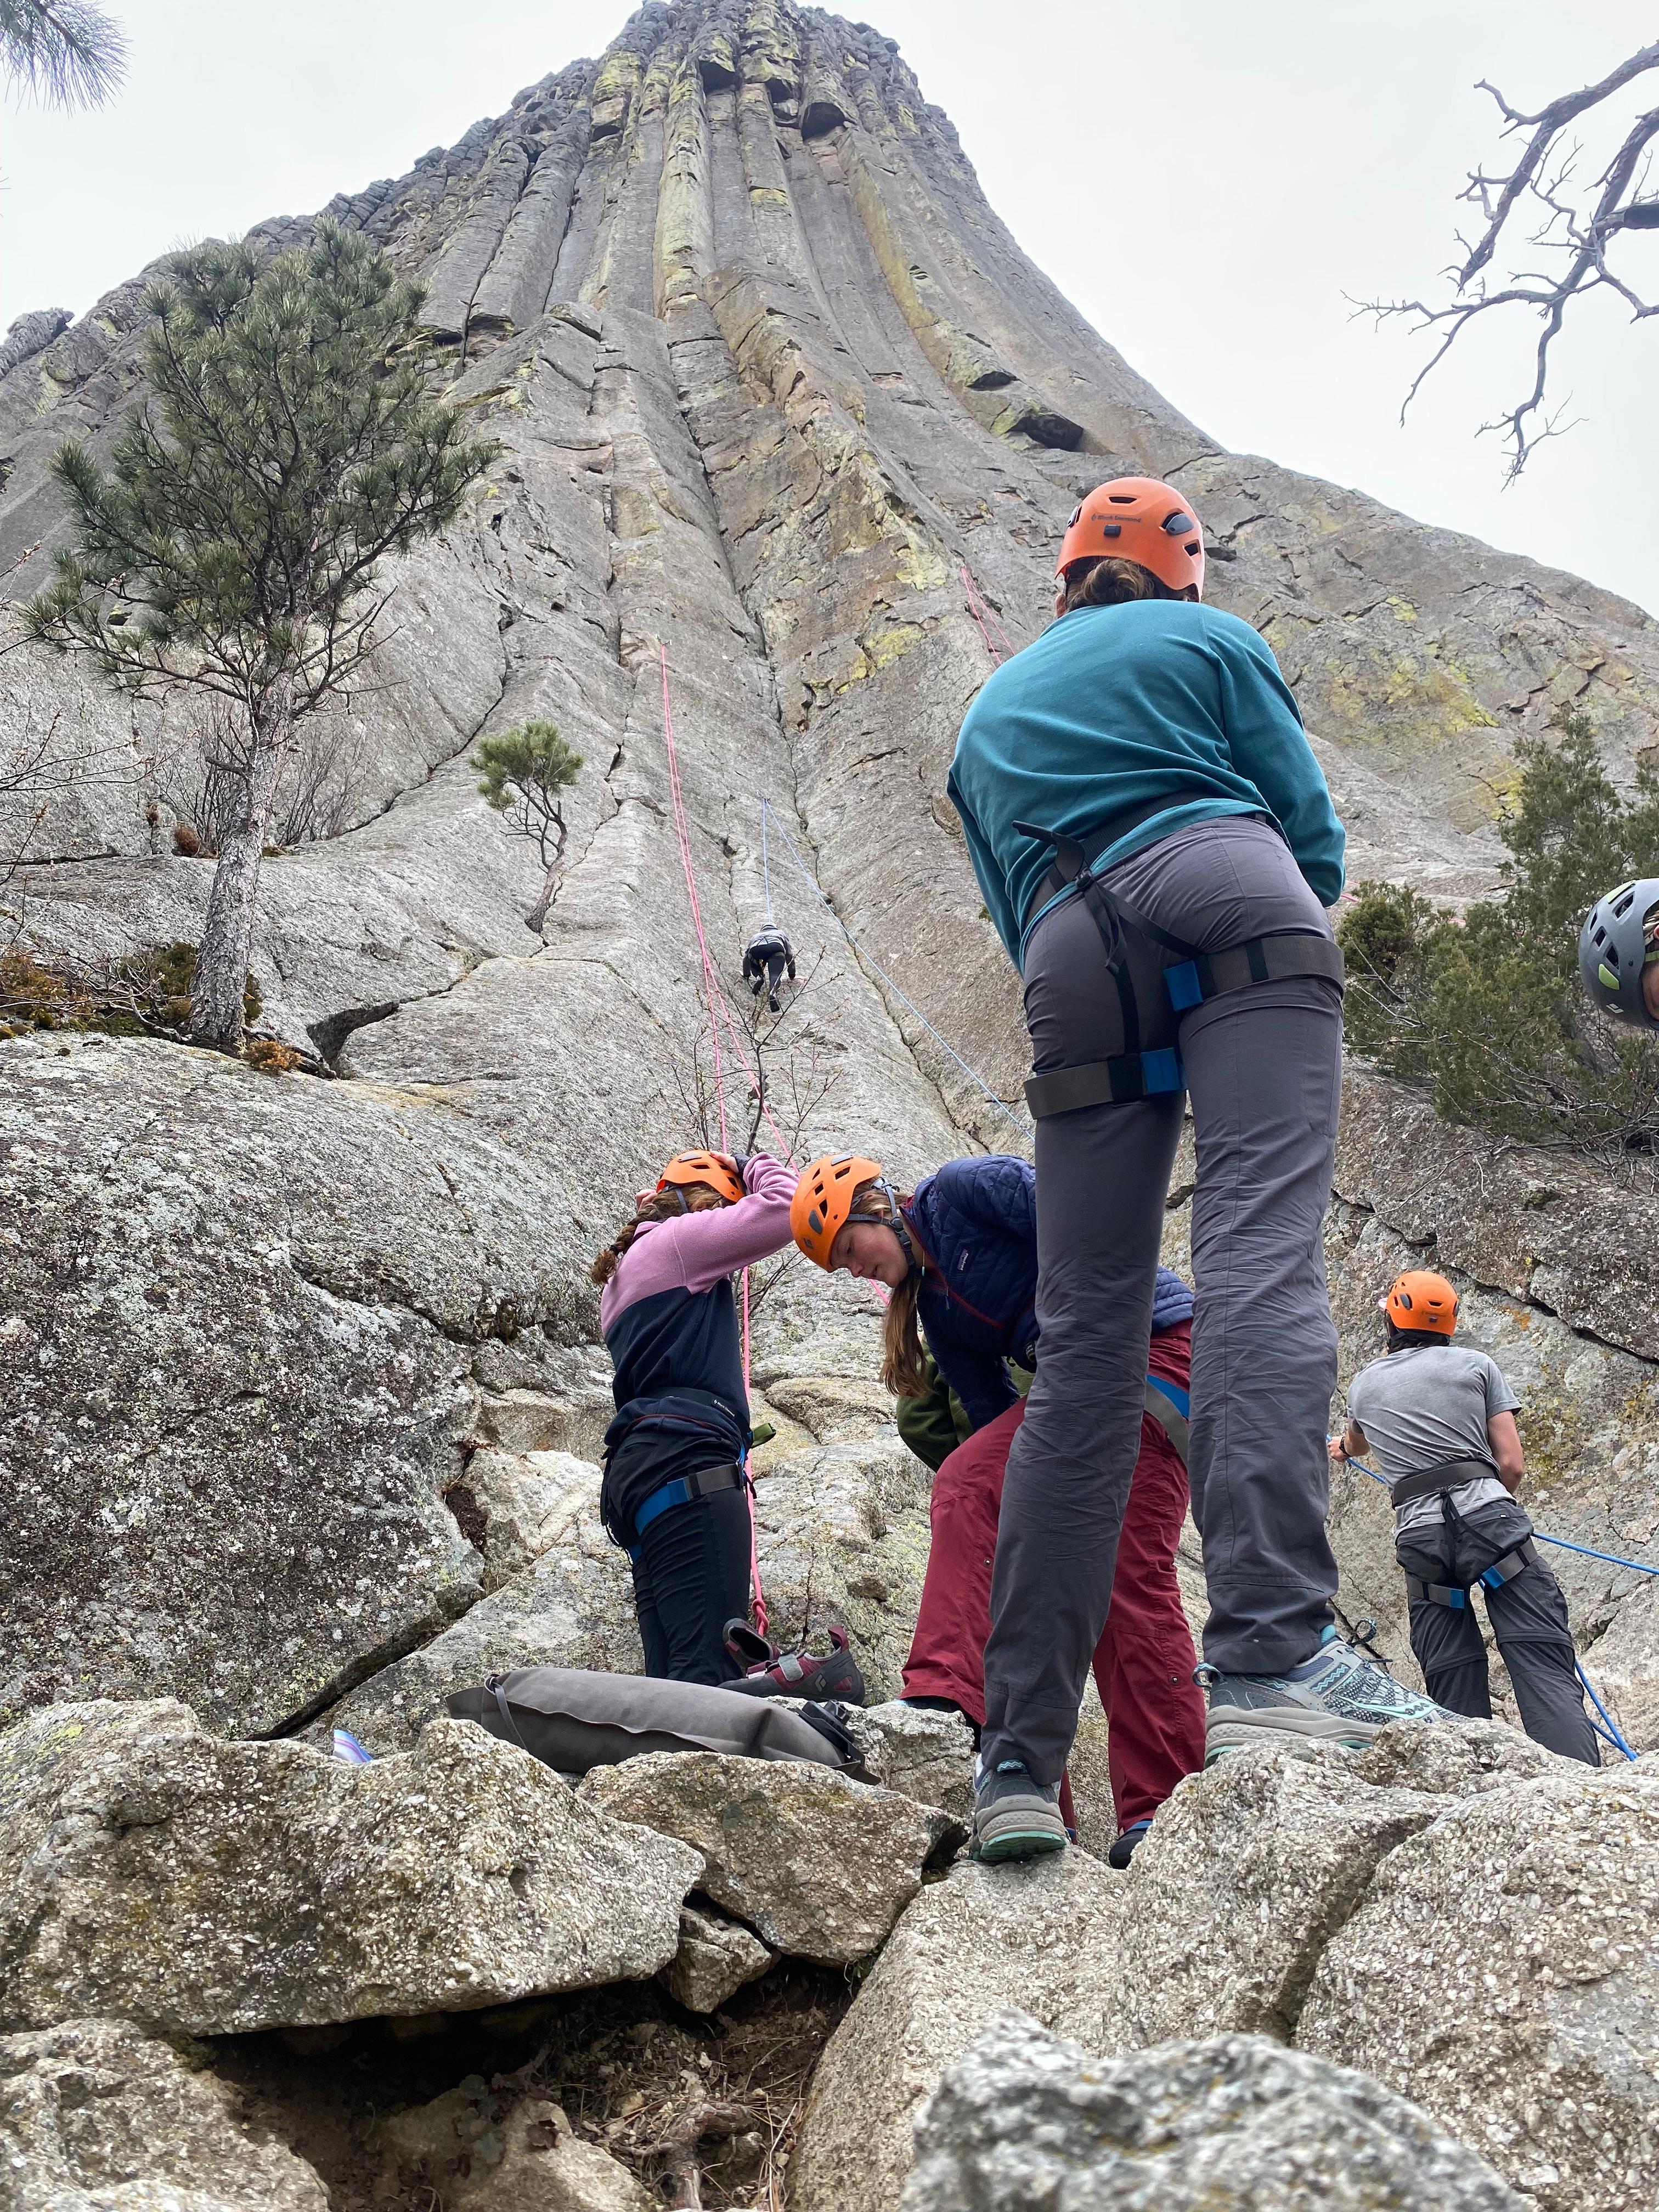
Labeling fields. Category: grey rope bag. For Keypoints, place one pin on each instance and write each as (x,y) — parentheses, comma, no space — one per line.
(573,1718)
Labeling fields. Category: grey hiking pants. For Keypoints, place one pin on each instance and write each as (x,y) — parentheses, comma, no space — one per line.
(1529,1617)
(1263,1069)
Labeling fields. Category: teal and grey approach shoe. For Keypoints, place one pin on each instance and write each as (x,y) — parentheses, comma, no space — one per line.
(1015,1818)
(1339,1696)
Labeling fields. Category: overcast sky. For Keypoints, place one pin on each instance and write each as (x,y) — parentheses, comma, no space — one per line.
(1205,182)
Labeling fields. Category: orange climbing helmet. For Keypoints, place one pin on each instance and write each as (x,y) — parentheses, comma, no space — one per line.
(686,1167)
(1137,518)
(1421,1300)
(822,1204)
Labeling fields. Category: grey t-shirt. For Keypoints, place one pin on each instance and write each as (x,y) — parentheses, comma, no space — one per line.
(1427,1404)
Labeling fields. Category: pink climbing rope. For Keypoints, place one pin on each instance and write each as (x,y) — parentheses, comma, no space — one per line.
(710,980)
(717,1007)
(979,609)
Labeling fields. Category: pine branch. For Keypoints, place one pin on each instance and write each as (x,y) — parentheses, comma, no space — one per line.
(68,53)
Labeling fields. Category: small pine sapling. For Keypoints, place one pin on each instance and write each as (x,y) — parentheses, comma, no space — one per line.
(522,773)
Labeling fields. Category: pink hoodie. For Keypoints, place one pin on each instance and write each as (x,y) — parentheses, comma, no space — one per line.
(695,1251)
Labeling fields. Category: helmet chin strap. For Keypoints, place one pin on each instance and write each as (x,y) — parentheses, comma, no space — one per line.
(894,1221)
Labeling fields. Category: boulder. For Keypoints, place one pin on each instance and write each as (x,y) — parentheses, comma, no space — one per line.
(821,1866)
(1249,1869)
(1025,2122)
(925,1755)
(1503,1969)
(151,1870)
(484,2148)
(1043,1937)
(96,2116)
(716,1957)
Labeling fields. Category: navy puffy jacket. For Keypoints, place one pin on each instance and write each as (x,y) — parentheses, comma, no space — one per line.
(976,1219)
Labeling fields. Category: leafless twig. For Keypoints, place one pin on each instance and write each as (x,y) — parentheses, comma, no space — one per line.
(1578,224)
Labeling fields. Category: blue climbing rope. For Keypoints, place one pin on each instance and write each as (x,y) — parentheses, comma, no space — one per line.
(1609,1733)
(943,1042)
(766,864)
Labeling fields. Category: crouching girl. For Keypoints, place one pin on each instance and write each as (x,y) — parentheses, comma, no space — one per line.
(960,1258)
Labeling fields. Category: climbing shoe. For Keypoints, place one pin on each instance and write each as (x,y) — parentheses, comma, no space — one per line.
(1015,1818)
(769,1673)
(1339,1696)
(1124,1849)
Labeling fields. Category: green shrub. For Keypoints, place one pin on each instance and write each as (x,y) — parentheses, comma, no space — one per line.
(1486,1011)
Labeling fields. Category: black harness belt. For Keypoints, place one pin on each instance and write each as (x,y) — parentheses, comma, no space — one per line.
(1194,978)
(1444,1474)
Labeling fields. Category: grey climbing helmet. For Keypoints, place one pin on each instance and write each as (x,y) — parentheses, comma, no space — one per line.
(1613,946)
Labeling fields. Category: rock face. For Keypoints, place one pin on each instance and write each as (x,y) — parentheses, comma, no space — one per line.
(1503,1971)
(1025,2121)
(819,1866)
(1043,1937)
(150,1870)
(97,2116)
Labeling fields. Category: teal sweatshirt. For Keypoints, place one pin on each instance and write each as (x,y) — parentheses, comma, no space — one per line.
(1114,707)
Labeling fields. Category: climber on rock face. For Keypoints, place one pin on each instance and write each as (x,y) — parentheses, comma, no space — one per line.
(960,1256)
(1156,847)
(1441,1421)
(766,955)
(676,1493)
(1619,952)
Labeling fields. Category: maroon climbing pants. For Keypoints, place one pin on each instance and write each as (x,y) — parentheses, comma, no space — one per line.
(1144,1661)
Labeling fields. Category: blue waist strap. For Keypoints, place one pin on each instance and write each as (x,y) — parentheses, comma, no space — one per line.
(685,1490)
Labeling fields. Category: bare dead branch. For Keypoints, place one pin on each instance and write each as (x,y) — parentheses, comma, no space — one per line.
(1578,222)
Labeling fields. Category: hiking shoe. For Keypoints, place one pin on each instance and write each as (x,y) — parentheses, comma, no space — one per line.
(1015,1818)
(1339,1696)
(833,1674)
(1124,1849)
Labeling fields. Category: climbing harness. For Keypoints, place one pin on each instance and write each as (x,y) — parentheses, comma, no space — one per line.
(1193,980)
(1456,1595)
(1505,1570)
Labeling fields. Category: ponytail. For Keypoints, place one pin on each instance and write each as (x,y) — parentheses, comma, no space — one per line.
(903,1360)
(1112,582)
(903,1370)
(661,1205)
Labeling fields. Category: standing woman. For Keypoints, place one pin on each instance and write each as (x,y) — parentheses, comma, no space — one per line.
(1157,847)
(676,1493)
(960,1257)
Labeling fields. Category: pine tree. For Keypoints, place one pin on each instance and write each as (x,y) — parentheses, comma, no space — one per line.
(289,443)
(523,772)
(1486,1010)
